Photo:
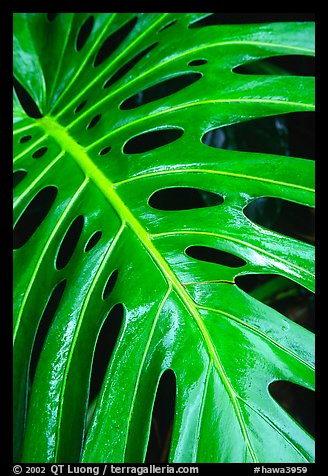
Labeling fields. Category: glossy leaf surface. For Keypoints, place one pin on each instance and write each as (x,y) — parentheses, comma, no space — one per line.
(114,132)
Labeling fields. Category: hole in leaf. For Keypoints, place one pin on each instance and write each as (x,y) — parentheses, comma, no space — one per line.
(80,106)
(301,134)
(84,32)
(160,90)
(197,62)
(289,64)
(266,135)
(110,284)
(44,326)
(33,215)
(113,41)
(289,135)
(168,25)
(25,139)
(151,140)
(282,294)
(51,16)
(298,401)
(93,241)
(105,345)
(298,304)
(39,153)
(282,216)
(162,419)
(26,100)
(129,65)
(183,198)
(18,176)
(244,18)
(69,242)
(105,150)
(94,121)
(213,255)
(250,282)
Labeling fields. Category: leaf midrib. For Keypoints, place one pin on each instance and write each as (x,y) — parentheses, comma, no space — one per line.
(59,133)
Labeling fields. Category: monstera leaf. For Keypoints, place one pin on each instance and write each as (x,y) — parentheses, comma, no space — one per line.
(109,124)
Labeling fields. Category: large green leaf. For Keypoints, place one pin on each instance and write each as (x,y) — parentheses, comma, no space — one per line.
(224,346)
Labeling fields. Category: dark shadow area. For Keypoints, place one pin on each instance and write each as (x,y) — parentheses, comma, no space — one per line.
(213,255)
(298,401)
(94,121)
(80,106)
(110,284)
(301,134)
(162,420)
(93,241)
(129,65)
(113,41)
(282,294)
(18,177)
(44,326)
(51,16)
(84,32)
(39,153)
(287,134)
(168,25)
(105,150)
(33,216)
(25,139)
(69,242)
(183,198)
(242,18)
(198,62)
(282,216)
(104,349)
(160,90)
(26,100)
(151,140)
(291,65)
